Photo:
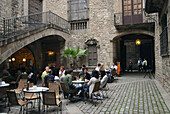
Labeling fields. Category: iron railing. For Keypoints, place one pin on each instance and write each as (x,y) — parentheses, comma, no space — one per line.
(19,25)
(164,42)
(147,18)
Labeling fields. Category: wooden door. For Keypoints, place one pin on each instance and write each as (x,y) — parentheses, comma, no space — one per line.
(132,11)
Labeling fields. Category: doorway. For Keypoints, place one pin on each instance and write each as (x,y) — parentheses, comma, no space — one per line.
(128,50)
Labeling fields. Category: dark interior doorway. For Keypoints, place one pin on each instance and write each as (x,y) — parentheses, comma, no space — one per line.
(130,51)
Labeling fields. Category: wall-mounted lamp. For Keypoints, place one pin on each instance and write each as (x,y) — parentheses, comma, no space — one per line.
(138,42)
(9,60)
(50,52)
(24,59)
(13,59)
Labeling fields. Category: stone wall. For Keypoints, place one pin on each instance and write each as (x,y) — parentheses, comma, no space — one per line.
(58,7)
(162,63)
(11,8)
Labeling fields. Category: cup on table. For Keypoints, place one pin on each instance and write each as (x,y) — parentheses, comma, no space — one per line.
(34,87)
(3,82)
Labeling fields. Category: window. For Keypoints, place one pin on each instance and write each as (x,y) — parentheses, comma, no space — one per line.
(92,52)
(164,42)
(164,36)
(92,55)
(78,10)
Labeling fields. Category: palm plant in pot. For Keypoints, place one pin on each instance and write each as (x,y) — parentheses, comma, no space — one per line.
(73,53)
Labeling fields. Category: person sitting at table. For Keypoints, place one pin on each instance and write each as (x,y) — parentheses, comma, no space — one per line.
(85,74)
(90,85)
(113,67)
(62,77)
(62,71)
(47,78)
(102,66)
(45,72)
(68,82)
(98,67)
(104,79)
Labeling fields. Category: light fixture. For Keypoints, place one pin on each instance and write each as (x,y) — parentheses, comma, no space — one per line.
(24,59)
(13,59)
(50,52)
(138,42)
(9,60)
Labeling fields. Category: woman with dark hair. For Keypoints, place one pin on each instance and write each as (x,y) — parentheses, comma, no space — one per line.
(91,83)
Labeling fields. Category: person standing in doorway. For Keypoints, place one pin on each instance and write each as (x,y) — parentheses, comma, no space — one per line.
(130,65)
(144,64)
(140,64)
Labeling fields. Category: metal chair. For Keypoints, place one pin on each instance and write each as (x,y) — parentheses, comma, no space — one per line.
(66,91)
(49,99)
(22,84)
(13,100)
(55,87)
(96,89)
(104,88)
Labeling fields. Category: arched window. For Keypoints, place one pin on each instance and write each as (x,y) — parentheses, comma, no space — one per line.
(92,52)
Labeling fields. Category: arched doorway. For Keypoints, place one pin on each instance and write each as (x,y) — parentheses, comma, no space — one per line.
(126,49)
(23,58)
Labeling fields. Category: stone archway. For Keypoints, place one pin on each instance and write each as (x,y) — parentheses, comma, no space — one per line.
(125,48)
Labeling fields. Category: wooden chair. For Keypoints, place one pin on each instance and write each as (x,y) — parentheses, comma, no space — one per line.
(22,84)
(49,99)
(96,89)
(55,87)
(13,100)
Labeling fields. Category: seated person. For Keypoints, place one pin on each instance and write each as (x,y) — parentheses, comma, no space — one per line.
(85,74)
(62,71)
(62,77)
(48,77)
(98,67)
(104,79)
(68,82)
(91,83)
(113,67)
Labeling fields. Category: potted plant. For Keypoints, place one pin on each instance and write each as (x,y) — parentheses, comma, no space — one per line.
(73,53)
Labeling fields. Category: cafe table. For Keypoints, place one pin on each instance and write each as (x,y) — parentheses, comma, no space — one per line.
(37,90)
(79,82)
(4,85)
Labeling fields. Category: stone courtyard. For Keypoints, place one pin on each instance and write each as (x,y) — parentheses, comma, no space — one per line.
(129,94)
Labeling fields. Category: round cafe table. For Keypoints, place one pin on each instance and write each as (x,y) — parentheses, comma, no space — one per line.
(4,85)
(37,90)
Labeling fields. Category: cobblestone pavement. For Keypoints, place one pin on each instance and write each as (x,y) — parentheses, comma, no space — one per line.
(129,95)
